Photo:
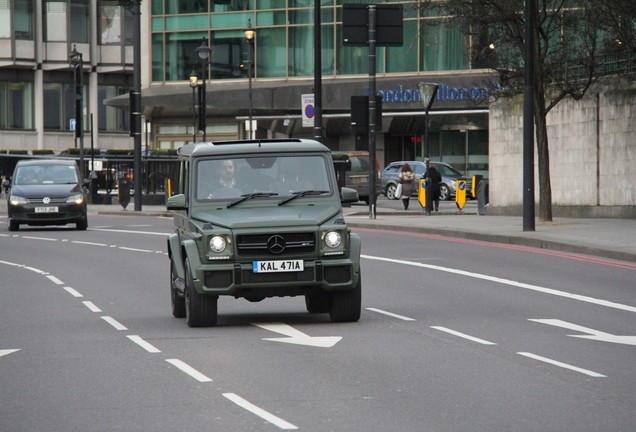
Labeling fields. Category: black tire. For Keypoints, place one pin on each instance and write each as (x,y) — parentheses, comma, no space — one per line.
(444,192)
(200,310)
(82,225)
(346,305)
(178,301)
(318,303)
(13,225)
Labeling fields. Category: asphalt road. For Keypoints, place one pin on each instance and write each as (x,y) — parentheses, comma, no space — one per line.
(455,335)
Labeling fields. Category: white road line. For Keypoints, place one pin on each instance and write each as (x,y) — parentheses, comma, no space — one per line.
(271,418)
(35,270)
(463,335)
(135,249)
(391,314)
(544,290)
(114,323)
(39,238)
(55,280)
(89,243)
(189,370)
(91,306)
(142,343)
(563,365)
(132,232)
(73,292)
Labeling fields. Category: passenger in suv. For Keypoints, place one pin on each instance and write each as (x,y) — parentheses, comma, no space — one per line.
(275,229)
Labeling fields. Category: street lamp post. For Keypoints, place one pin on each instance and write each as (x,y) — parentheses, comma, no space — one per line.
(194,83)
(203,51)
(249,37)
(77,62)
(427,96)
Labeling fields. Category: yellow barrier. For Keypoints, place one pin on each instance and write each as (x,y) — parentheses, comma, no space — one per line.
(460,193)
(421,193)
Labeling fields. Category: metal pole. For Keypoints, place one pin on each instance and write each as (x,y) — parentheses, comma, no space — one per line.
(528,121)
(249,79)
(80,113)
(372,111)
(203,102)
(317,73)
(136,11)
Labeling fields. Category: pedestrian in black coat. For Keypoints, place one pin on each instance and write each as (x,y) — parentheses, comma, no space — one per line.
(433,182)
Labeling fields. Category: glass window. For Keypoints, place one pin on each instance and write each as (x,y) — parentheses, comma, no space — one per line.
(271,4)
(271,53)
(23,19)
(157,57)
(351,59)
(59,100)
(229,52)
(110,23)
(18,96)
(443,47)
(186,7)
(404,58)
(231,5)
(112,119)
(181,57)
(5,19)
(301,51)
(55,20)
(79,18)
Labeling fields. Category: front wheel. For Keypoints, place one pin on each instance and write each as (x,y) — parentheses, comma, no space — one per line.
(201,310)
(177,299)
(346,305)
(13,225)
(318,303)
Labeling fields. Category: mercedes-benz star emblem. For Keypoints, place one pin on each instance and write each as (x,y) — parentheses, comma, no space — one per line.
(276,244)
(46,200)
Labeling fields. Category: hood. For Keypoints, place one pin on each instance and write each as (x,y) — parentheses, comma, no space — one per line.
(274,216)
(45,190)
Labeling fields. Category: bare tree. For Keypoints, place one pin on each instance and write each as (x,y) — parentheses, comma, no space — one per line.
(568,47)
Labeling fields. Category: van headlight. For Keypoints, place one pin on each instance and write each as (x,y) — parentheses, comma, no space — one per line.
(17,200)
(333,239)
(218,244)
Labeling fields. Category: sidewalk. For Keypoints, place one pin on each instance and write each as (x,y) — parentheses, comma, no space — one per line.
(609,238)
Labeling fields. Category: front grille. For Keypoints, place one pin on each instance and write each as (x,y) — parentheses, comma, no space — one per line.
(59,200)
(256,245)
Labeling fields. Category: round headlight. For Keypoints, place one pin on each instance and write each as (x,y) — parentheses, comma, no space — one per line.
(333,239)
(217,244)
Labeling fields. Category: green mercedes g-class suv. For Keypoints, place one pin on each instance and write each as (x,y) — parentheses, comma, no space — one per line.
(257,219)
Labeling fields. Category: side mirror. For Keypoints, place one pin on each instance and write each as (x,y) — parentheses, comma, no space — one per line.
(177,202)
(348,195)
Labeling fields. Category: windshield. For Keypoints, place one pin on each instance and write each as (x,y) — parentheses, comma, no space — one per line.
(258,177)
(448,171)
(45,174)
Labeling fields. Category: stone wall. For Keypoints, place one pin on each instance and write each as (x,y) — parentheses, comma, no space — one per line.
(592,154)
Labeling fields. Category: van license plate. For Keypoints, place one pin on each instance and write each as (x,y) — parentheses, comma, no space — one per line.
(46,210)
(277,266)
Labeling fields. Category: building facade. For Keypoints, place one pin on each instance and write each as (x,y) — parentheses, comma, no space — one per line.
(37,84)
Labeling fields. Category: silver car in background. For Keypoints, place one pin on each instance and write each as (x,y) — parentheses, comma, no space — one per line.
(389,178)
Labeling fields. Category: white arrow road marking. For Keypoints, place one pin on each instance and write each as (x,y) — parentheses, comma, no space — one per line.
(7,352)
(297,337)
(591,333)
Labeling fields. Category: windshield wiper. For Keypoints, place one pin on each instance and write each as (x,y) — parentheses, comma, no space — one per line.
(250,196)
(302,194)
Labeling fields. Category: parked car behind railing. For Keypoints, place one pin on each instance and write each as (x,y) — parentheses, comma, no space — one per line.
(389,178)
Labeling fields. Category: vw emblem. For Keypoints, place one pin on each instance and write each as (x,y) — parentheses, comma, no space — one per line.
(276,244)
(46,200)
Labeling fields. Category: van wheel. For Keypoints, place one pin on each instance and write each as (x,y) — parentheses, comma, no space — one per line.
(13,225)
(201,310)
(346,305)
(82,225)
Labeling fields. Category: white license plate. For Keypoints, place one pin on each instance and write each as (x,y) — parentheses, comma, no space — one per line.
(277,266)
(46,210)
(359,179)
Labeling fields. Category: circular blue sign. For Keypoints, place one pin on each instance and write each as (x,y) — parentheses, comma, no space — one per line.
(310,111)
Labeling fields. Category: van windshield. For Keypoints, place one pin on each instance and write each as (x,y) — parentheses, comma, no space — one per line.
(45,174)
